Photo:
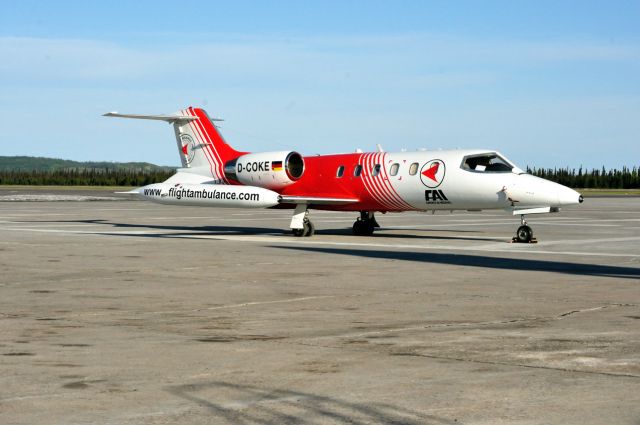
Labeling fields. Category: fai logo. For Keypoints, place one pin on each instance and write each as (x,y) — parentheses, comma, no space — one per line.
(436,197)
(188,147)
(432,173)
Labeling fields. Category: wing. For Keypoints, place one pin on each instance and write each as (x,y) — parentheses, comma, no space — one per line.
(316,200)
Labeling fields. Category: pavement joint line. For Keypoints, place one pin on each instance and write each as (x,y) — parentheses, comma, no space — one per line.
(279,239)
(583,241)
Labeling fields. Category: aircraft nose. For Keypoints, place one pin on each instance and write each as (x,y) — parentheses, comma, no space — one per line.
(567,196)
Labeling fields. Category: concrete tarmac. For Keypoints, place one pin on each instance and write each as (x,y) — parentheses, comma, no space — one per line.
(126,312)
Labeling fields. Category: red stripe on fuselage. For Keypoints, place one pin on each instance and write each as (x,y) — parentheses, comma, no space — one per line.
(403,205)
(319,179)
(371,160)
(381,181)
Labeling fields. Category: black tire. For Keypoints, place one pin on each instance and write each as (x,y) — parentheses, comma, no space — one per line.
(363,227)
(524,234)
(357,226)
(298,232)
(368,227)
(309,228)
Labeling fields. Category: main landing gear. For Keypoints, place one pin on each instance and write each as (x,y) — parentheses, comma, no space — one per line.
(308,229)
(300,223)
(365,224)
(302,226)
(524,234)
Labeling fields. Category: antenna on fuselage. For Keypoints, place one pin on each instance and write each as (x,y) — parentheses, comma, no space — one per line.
(379,147)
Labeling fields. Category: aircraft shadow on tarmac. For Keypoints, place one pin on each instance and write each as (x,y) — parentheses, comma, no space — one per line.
(521,264)
(270,406)
(187,231)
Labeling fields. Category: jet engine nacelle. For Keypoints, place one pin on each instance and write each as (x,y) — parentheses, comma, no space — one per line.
(271,170)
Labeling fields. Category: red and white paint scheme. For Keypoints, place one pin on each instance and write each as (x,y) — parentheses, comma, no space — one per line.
(214,174)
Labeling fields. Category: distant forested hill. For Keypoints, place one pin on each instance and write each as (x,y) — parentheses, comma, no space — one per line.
(33,163)
(29,170)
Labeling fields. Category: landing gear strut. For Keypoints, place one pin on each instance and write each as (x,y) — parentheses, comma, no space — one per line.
(365,224)
(308,229)
(524,234)
(300,223)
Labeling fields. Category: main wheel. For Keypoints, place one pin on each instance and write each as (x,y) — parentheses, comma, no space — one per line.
(524,234)
(309,228)
(298,232)
(363,227)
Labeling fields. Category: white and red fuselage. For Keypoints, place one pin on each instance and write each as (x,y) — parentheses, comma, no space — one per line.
(214,174)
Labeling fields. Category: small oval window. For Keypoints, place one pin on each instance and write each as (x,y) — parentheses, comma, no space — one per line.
(413,169)
(376,170)
(340,171)
(394,169)
(357,171)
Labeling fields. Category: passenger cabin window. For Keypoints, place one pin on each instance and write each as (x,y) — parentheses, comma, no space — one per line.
(394,169)
(413,169)
(340,171)
(486,163)
(357,171)
(376,170)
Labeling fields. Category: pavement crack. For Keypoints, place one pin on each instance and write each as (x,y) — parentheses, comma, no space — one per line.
(478,324)
(496,363)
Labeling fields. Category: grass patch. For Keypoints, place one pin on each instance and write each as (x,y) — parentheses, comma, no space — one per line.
(66,188)
(608,192)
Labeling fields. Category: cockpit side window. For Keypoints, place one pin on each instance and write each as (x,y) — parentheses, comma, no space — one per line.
(486,163)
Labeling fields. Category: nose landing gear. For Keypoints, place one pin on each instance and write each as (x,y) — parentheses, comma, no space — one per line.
(524,234)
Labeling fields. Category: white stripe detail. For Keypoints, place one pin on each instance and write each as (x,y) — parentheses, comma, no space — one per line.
(212,160)
(216,155)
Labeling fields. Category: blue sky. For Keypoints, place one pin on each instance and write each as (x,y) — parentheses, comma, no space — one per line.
(549,84)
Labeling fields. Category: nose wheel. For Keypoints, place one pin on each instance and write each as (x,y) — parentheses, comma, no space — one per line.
(524,234)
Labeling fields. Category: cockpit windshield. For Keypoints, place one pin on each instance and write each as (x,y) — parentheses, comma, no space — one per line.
(489,162)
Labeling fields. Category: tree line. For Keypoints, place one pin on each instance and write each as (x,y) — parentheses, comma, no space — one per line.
(85,177)
(625,178)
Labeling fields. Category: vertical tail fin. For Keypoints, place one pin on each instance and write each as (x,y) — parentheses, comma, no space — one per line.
(200,144)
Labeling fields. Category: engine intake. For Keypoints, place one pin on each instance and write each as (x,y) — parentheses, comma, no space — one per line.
(271,170)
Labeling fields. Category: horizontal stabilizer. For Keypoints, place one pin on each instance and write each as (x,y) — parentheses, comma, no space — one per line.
(168,118)
(285,199)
